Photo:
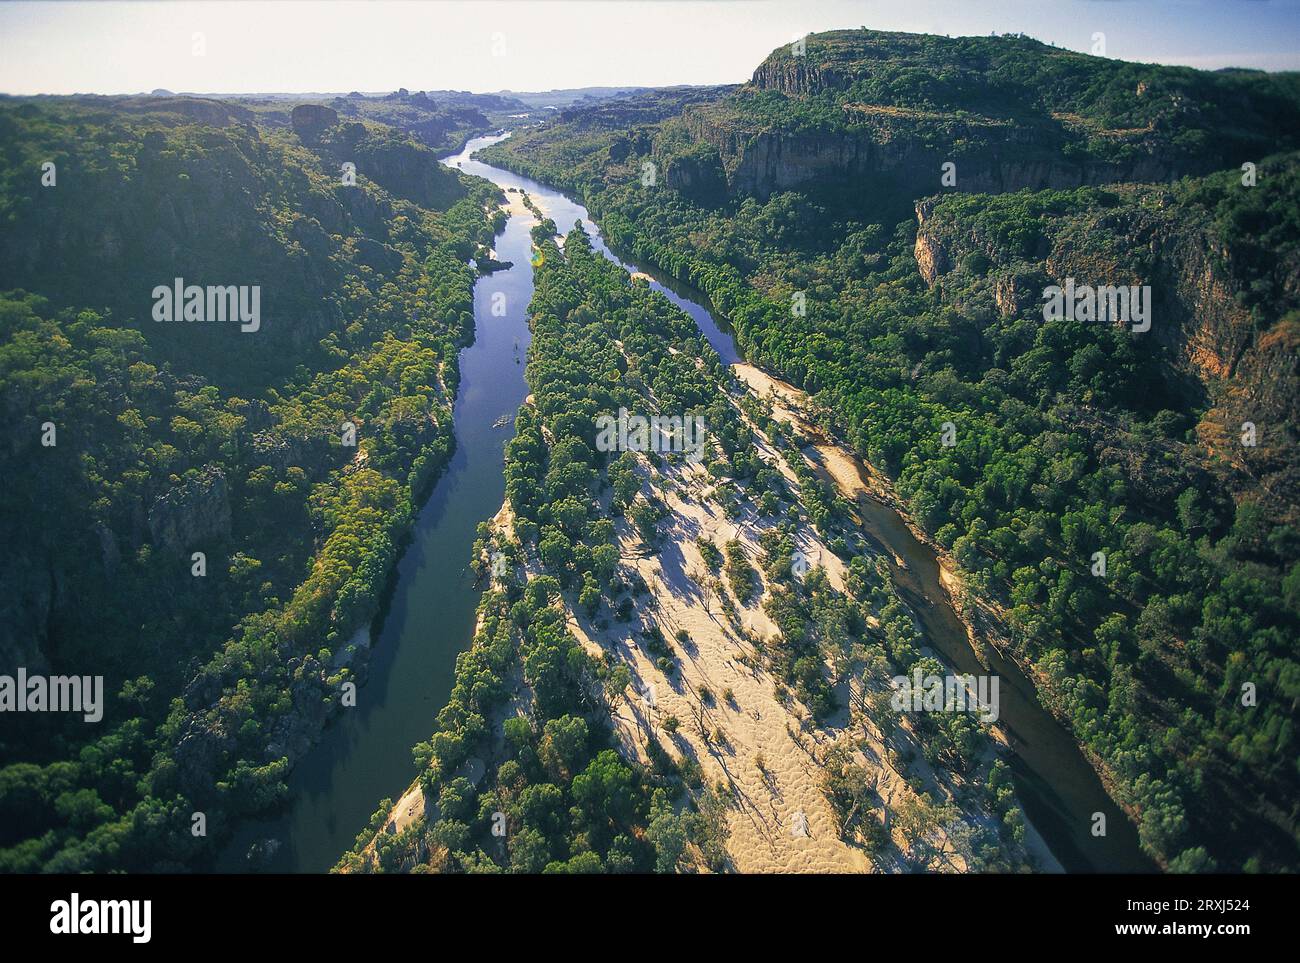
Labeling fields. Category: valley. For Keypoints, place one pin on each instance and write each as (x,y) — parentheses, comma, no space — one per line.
(956,368)
(587,470)
(1055,763)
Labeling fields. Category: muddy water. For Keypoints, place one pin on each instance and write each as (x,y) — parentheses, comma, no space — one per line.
(1058,789)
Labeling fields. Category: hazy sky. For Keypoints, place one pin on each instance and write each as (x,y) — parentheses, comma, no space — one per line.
(298,45)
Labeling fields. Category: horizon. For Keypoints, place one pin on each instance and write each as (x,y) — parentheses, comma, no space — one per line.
(301,47)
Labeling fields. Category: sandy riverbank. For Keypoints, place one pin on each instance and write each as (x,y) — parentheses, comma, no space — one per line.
(732,716)
(728,736)
(854,478)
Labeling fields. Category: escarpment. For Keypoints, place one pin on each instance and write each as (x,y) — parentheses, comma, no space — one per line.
(888,110)
(796,76)
(888,150)
(1238,354)
(197,510)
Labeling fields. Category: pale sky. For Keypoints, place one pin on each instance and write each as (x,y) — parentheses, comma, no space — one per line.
(291,46)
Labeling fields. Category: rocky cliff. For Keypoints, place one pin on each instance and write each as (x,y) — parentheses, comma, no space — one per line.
(798,76)
(310,121)
(887,150)
(695,173)
(1241,359)
(888,109)
(193,512)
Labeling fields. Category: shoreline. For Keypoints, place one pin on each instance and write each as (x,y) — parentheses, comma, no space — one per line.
(731,717)
(854,476)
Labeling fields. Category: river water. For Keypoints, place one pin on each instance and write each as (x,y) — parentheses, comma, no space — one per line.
(365,755)
(1058,791)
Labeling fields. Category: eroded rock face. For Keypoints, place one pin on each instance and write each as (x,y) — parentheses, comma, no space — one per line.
(1242,367)
(293,733)
(308,452)
(197,510)
(885,152)
(932,256)
(888,108)
(203,745)
(311,120)
(797,77)
(698,176)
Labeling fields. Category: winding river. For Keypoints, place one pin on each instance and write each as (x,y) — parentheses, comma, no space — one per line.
(365,755)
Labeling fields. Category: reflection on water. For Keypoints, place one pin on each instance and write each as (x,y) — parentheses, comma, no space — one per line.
(365,754)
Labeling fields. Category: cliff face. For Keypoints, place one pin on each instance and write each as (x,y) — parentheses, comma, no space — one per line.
(311,120)
(196,511)
(697,175)
(934,250)
(798,76)
(896,154)
(1012,113)
(1245,363)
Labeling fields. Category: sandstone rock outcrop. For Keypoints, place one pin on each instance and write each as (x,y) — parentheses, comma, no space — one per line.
(195,511)
(1242,366)
(311,120)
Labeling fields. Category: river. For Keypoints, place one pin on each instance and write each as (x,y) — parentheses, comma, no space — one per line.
(365,755)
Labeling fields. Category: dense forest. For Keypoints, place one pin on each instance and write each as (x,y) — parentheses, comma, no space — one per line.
(208,517)
(439,119)
(1168,455)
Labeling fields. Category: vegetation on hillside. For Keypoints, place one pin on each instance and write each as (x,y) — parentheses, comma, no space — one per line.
(1071,437)
(188,438)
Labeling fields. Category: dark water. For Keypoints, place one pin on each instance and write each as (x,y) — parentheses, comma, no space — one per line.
(1057,788)
(365,755)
